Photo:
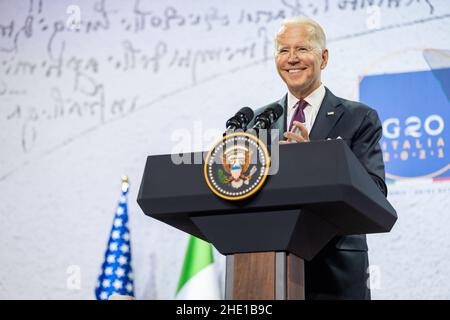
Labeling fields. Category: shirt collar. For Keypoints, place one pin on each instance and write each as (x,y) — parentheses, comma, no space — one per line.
(314,99)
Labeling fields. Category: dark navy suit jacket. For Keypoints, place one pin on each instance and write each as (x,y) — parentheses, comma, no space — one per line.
(340,270)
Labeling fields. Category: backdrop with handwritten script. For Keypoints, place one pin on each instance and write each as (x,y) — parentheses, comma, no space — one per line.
(88,89)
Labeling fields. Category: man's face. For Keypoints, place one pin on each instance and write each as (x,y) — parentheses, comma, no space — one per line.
(299,60)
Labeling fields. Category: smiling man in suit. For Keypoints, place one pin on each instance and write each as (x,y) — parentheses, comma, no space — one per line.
(312,112)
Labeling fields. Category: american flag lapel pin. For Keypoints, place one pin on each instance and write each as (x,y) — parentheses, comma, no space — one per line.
(330,114)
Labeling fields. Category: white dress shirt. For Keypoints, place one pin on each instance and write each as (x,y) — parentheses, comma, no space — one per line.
(312,109)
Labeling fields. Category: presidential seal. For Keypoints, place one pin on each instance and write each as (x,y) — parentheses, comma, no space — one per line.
(237,166)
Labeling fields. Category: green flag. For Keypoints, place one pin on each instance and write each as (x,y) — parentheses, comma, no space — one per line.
(198,280)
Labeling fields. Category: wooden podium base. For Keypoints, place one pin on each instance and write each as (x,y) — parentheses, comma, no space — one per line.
(264,276)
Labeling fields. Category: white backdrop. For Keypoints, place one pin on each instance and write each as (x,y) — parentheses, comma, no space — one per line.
(88,89)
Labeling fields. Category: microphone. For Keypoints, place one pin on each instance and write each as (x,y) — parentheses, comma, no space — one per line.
(268,117)
(240,120)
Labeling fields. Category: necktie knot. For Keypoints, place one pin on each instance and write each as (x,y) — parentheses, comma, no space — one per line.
(302,104)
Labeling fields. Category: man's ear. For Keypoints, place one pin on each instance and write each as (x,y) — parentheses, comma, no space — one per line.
(324,59)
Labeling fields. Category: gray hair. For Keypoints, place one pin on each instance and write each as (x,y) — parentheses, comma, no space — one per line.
(316,31)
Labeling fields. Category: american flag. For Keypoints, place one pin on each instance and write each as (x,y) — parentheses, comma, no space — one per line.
(116,274)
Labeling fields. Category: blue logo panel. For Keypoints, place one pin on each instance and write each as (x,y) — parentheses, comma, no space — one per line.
(414,108)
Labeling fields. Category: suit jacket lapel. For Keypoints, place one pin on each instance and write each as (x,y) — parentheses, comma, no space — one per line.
(329,114)
(324,121)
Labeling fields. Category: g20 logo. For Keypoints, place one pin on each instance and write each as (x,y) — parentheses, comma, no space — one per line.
(417,142)
(413,126)
(414,108)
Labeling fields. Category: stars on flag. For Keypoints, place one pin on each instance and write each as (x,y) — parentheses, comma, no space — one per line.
(115,234)
(109,271)
(122,260)
(118,223)
(120,272)
(117,284)
(116,275)
(129,287)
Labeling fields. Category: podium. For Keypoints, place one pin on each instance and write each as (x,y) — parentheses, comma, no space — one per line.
(320,191)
